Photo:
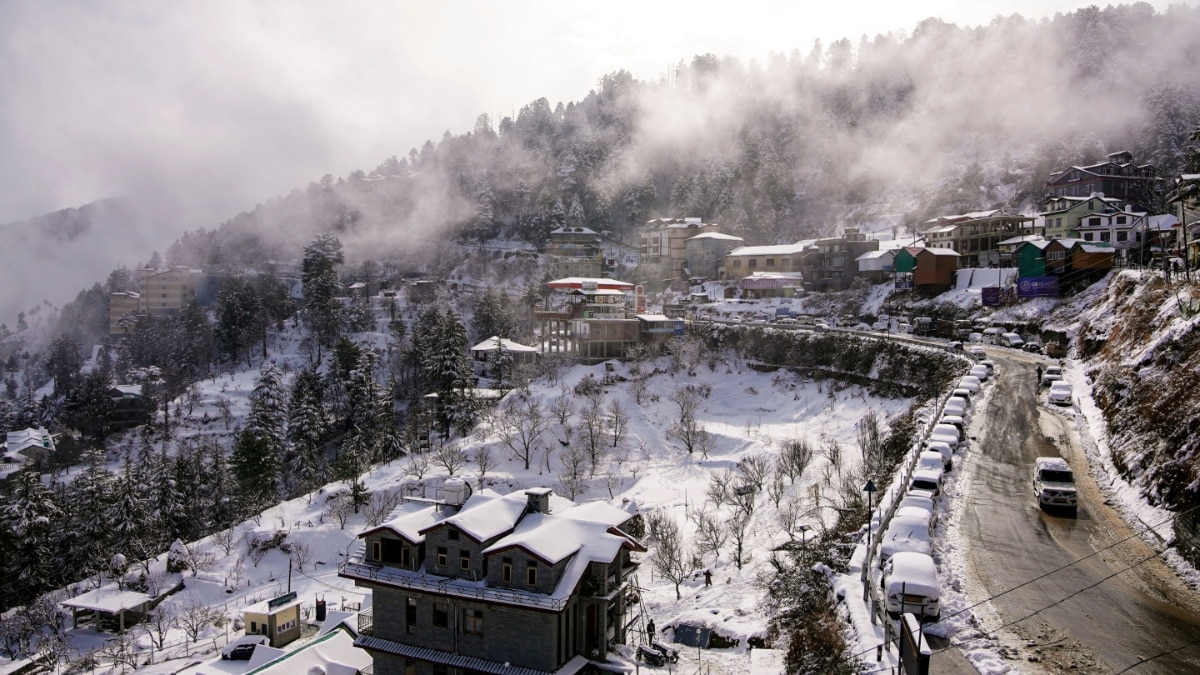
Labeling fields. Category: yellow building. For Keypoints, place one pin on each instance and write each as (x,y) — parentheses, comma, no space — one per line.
(278,619)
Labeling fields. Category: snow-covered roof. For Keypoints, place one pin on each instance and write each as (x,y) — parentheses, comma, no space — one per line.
(599,512)
(19,440)
(109,600)
(1021,239)
(941,251)
(654,317)
(716,235)
(1163,222)
(777,249)
(409,520)
(871,255)
(573,230)
(129,389)
(495,342)
(597,291)
(485,515)
(333,652)
(1093,248)
(580,282)
(264,607)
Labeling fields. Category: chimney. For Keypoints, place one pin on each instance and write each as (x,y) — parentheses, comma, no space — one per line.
(538,500)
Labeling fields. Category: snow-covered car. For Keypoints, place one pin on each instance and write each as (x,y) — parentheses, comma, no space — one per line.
(1032,347)
(242,648)
(930,459)
(957,421)
(947,428)
(1061,393)
(926,482)
(961,392)
(1012,340)
(957,405)
(981,371)
(910,584)
(991,366)
(912,501)
(1051,375)
(976,351)
(947,436)
(944,450)
(970,382)
(1054,483)
(905,534)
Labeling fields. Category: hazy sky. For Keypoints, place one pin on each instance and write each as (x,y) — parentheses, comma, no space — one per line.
(221,104)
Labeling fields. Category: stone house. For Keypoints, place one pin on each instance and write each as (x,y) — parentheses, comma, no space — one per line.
(526,583)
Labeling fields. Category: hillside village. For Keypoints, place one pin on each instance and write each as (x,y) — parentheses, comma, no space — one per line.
(531,401)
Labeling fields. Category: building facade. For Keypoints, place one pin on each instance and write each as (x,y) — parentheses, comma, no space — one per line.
(1117,177)
(976,236)
(526,583)
(705,252)
(746,260)
(663,244)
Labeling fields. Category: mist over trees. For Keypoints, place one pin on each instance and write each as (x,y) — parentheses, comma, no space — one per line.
(885,130)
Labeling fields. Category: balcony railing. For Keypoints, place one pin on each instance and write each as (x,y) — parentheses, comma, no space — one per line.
(447,586)
(366,622)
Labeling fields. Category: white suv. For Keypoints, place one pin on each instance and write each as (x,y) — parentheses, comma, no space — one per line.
(1054,483)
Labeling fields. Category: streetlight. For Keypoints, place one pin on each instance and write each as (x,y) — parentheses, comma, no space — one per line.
(869,488)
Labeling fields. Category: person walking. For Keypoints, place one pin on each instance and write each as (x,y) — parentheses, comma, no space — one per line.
(1039,375)
(650,631)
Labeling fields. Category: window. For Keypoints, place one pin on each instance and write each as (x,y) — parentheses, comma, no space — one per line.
(1104,236)
(464,560)
(752,263)
(406,557)
(473,621)
(531,573)
(506,570)
(441,614)
(410,615)
(443,557)
(1087,236)
(1121,220)
(376,550)
(770,262)
(1122,236)
(253,626)
(1093,222)
(737,263)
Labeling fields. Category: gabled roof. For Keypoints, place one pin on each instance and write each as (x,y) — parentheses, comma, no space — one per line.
(939,251)
(655,317)
(485,515)
(409,520)
(496,342)
(871,255)
(716,235)
(580,282)
(1093,248)
(775,249)
(1021,239)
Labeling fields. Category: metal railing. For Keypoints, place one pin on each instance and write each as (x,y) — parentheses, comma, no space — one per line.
(447,586)
(366,622)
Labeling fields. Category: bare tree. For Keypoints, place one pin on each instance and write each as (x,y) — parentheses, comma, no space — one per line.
(450,456)
(639,388)
(417,464)
(786,514)
(833,452)
(575,463)
(685,353)
(484,461)
(591,429)
(869,435)
(795,458)
(710,532)
(739,531)
(225,540)
(618,421)
(195,616)
(754,469)
(775,489)
(302,554)
(612,481)
(160,621)
(237,573)
(671,554)
(380,505)
(521,426)
(563,406)
(338,507)
(686,429)
(122,651)
(720,488)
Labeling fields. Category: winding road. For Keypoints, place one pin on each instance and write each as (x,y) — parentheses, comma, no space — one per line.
(1080,594)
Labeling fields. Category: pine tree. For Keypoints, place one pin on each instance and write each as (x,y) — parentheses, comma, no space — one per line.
(255,468)
(319,275)
(131,523)
(30,517)
(304,466)
(91,496)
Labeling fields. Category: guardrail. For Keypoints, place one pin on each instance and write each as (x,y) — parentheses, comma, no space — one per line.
(447,585)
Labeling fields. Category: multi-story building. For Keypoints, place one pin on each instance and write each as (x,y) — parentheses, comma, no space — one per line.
(576,252)
(976,236)
(526,583)
(1117,177)
(704,252)
(746,260)
(833,265)
(663,243)
(159,292)
(1064,215)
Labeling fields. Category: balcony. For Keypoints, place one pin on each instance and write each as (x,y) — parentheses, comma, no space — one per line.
(366,622)
(419,581)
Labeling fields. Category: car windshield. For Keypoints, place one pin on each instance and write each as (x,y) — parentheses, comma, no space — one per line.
(923,484)
(1055,476)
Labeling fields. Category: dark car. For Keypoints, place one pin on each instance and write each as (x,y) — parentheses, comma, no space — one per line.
(240,653)
(1032,347)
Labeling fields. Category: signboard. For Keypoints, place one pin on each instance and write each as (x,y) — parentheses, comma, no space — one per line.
(1037,287)
(693,636)
(991,296)
(281,600)
(639,292)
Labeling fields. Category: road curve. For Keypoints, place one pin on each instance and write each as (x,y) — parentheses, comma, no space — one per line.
(1063,589)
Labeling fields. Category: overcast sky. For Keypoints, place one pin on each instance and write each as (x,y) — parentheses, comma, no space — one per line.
(221,104)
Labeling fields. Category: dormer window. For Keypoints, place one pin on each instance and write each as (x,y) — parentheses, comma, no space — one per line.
(506,570)
(531,573)
(443,557)
(464,560)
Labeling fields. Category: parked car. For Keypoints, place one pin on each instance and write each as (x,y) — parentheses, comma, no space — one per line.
(990,365)
(1032,347)
(1011,340)
(1051,375)
(943,449)
(992,335)
(971,383)
(1061,393)
(242,648)
(958,422)
(931,459)
(948,436)
(926,482)
(921,502)
(910,584)
(976,351)
(957,405)
(1054,483)
(961,392)
(905,534)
